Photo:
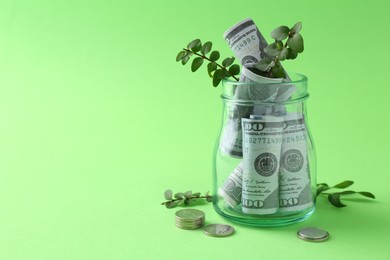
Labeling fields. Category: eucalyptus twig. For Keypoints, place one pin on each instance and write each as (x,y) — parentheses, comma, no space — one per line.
(218,65)
(279,51)
(185,198)
(215,70)
(334,197)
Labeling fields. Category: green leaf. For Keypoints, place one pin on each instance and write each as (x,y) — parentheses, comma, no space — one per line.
(295,42)
(283,54)
(279,45)
(291,54)
(186,58)
(234,69)
(278,72)
(214,56)
(188,194)
(206,48)
(168,194)
(196,194)
(322,187)
(195,45)
(280,33)
(209,198)
(263,64)
(334,199)
(271,50)
(211,67)
(367,194)
(346,192)
(196,63)
(343,184)
(228,61)
(180,55)
(322,184)
(219,74)
(179,195)
(296,28)
(171,204)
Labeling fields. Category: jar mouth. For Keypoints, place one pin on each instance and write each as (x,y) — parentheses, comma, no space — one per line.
(297,78)
(268,92)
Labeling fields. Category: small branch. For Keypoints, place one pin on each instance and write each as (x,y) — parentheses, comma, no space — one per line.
(205,58)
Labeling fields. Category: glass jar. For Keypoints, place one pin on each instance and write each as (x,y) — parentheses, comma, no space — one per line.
(264,170)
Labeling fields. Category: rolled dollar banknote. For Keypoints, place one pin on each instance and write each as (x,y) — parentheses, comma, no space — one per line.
(232,188)
(231,138)
(294,182)
(262,139)
(247,44)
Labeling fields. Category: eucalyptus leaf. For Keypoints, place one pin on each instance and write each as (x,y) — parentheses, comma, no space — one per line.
(283,54)
(291,54)
(296,28)
(263,64)
(280,33)
(322,184)
(196,63)
(278,72)
(295,42)
(218,76)
(196,194)
(188,194)
(228,61)
(206,48)
(195,45)
(211,67)
(171,204)
(334,199)
(214,56)
(180,55)
(367,194)
(168,194)
(186,58)
(321,188)
(271,50)
(346,192)
(279,45)
(234,69)
(179,195)
(343,184)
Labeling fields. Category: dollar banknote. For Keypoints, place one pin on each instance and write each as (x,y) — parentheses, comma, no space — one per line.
(262,141)
(231,137)
(247,44)
(294,183)
(231,190)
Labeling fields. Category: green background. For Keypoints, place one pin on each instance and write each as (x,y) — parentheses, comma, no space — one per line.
(97,120)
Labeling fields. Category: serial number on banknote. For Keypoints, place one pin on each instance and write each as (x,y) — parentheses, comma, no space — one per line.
(296,138)
(244,43)
(262,140)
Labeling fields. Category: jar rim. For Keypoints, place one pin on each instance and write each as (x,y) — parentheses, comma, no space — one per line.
(299,94)
(300,78)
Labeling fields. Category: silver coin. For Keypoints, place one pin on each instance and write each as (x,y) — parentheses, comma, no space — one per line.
(218,230)
(189,226)
(313,234)
(189,214)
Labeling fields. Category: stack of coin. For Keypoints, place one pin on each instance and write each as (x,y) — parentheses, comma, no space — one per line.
(190,219)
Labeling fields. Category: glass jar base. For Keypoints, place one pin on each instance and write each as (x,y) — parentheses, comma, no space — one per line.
(271,220)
